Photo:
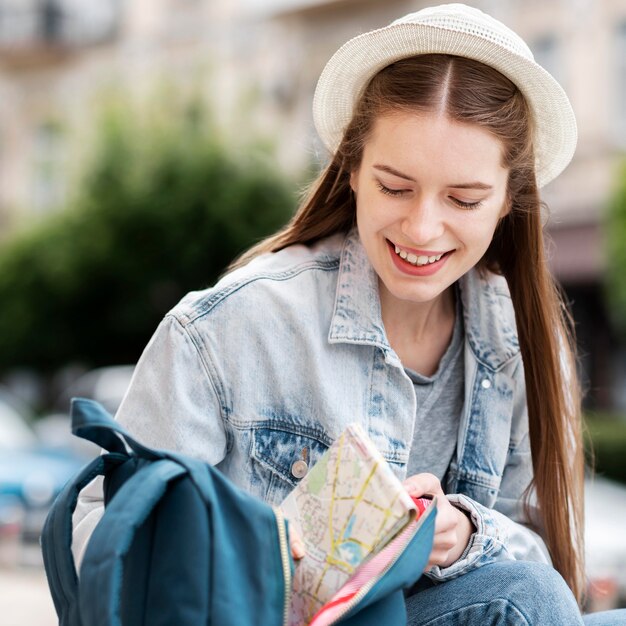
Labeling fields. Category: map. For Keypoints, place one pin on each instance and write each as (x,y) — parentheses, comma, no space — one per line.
(347,508)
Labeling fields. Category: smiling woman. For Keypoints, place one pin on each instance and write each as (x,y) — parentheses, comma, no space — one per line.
(443,155)
(409,293)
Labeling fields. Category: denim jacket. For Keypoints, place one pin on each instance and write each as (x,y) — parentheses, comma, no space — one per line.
(259,374)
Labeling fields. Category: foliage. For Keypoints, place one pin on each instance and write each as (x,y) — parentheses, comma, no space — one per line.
(616,250)
(162,210)
(607,439)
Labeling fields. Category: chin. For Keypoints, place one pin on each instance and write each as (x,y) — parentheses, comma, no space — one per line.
(414,295)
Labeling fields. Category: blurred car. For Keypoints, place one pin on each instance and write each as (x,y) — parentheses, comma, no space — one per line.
(106,385)
(32,472)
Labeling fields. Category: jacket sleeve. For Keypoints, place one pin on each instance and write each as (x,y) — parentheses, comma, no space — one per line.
(507,530)
(171,403)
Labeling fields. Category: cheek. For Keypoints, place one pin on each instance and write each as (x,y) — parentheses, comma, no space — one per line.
(369,213)
(478,232)
(489,235)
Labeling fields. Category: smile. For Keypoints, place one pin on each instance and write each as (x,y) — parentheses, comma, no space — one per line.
(417,260)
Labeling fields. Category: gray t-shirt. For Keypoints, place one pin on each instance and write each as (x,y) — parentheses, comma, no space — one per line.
(439,406)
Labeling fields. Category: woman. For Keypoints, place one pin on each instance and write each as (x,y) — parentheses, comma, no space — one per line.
(409,292)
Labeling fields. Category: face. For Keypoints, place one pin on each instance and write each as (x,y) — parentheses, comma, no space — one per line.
(429,194)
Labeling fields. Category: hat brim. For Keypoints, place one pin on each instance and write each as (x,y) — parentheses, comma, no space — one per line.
(350,69)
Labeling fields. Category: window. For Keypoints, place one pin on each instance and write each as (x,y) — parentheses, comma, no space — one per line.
(90,21)
(57,21)
(18,21)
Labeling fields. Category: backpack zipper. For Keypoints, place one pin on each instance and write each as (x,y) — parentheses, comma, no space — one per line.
(284,556)
(364,590)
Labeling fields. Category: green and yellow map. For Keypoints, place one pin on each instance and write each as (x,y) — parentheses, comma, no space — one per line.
(347,508)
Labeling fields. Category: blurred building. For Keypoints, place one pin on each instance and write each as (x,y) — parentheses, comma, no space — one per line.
(42,48)
(256,62)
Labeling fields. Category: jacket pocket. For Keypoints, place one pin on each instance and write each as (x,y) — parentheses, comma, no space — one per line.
(283,458)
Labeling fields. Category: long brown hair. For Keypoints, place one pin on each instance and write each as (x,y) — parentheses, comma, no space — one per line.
(470,92)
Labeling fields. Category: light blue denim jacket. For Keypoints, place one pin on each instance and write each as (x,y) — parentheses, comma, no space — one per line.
(268,367)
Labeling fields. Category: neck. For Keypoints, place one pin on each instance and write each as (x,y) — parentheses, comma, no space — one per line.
(417,319)
(420,332)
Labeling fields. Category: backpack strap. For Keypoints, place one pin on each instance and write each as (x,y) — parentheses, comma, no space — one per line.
(56,540)
(91,421)
(112,539)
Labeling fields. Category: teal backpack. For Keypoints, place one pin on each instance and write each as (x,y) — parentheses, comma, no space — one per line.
(179,544)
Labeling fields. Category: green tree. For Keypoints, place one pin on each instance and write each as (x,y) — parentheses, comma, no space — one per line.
(162,210)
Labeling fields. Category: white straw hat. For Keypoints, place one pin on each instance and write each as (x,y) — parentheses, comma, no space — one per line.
(458,30)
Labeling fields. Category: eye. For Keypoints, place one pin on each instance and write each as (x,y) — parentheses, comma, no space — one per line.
(466,205)
(390,192)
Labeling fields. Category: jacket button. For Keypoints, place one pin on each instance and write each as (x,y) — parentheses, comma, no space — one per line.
(486,384)
(299,469)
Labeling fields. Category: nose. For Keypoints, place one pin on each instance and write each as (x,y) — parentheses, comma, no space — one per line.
(423,222)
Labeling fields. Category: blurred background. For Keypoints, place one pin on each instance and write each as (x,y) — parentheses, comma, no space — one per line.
(146,143)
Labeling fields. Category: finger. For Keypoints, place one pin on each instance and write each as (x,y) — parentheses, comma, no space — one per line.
(423,484)
(444,542)
(447,517)
(297,549)
(438,558)
(447,547)
(296,544)
(440,554)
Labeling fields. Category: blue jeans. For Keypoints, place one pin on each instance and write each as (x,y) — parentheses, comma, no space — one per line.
(511,593)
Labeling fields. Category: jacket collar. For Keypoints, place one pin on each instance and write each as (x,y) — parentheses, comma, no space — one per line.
(489,317)
(357,317)
(488,314)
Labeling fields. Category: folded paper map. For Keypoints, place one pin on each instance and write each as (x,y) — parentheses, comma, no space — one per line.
(346,509)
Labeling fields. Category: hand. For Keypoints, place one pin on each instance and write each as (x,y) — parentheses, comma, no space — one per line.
(296,544)
(453,528)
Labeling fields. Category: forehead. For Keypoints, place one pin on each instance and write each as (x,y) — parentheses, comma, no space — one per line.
(430,141)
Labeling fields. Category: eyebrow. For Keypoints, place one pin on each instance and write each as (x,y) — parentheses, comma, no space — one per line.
(390,170)
(394,172)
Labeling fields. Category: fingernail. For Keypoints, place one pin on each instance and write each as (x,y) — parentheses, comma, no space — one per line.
(297,548)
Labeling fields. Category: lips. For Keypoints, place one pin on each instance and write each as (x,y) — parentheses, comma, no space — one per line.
(417,262)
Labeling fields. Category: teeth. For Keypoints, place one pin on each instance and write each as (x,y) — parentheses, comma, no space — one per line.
(414,259)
